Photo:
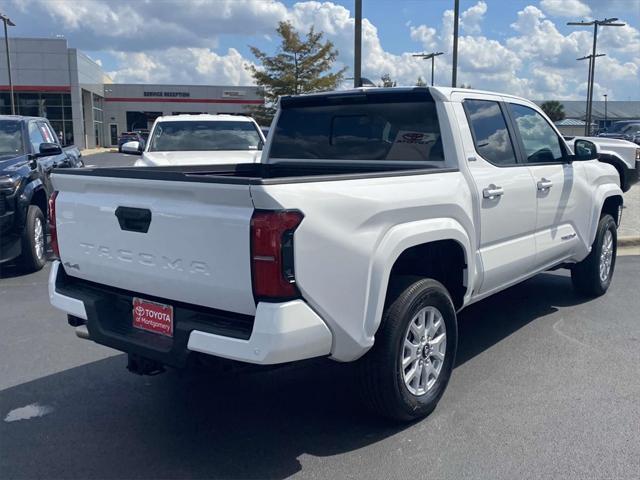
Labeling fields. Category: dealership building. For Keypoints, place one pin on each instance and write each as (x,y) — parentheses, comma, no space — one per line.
(83,104)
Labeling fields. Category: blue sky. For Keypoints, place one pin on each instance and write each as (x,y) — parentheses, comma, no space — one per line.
(516,46)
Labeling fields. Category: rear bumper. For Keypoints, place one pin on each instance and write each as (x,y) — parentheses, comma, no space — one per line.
(279,332)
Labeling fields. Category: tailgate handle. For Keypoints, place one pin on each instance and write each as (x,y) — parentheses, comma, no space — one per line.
(134,219)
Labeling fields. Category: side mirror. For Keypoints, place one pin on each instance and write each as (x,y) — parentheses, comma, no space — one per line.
(584,150)
(133,148)
(49,149)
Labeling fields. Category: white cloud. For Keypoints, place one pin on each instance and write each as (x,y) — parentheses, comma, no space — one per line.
(471,19)
(182,66)
(142,25)
(176,41)
(565,8)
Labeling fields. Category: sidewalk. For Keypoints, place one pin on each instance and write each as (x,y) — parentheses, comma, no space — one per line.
(630,227)
(93,151)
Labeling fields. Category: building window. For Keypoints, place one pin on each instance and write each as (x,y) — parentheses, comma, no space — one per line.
(55,107)
(97,119)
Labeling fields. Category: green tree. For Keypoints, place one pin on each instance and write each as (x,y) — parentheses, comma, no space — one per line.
(386,81)
(300,65)
(420,82)
(554,110)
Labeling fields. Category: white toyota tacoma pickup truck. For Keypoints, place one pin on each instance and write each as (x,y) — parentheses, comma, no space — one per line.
(375,216)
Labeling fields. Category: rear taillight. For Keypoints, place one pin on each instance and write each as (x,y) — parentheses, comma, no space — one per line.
(272,254)
(53,231)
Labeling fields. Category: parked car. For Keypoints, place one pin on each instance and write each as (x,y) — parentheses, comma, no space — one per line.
(29,150)
(144,134)
(131,137)
(624,130)
(375,216)
(200,140)
(622,154)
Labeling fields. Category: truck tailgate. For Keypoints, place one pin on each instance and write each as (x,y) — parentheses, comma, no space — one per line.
(195,248)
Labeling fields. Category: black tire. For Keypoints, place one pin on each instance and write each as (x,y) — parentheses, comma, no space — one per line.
(30,260)
(381,374)
(586,274)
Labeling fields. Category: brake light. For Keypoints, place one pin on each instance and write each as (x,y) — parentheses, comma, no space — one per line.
(272,254)
(53,231)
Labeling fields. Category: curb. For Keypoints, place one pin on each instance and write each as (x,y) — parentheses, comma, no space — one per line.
(630,241)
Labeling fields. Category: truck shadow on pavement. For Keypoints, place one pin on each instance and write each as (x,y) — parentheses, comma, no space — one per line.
(108,423)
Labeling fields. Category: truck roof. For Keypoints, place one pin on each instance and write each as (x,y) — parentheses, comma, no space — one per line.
(441,93)
(190,117)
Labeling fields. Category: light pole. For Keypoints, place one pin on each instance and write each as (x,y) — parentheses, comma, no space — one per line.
(605,111)
(427,56)
(357,47)
(7,21)
(456,17)
(587,125)
(607,22)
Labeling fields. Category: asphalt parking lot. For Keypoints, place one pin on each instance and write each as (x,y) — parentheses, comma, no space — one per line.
(547,385)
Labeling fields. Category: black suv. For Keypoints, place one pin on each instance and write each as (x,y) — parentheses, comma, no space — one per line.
(29,150)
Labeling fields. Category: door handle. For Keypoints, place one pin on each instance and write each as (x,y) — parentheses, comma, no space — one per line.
(134,219)
(492,191)
(544,184)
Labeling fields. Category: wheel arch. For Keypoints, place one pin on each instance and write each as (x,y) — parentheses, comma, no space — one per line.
(39,199)
(617,163)
(608,199)
(404,243)
(33,191)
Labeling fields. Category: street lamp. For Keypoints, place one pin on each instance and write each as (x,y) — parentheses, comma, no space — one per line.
(427,56)
(587,125)
(605,111)
(607,22)
(456,18)
(357,47)
(7,21)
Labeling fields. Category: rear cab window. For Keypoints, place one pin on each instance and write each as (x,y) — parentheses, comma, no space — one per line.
(390,127)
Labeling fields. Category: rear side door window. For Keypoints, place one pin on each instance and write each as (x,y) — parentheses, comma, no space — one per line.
(541,143)
(490,133)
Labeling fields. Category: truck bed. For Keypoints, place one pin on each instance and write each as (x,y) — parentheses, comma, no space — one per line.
(260,173)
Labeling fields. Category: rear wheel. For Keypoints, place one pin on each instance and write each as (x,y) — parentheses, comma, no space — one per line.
(407,370)
(33,240)
(592,276)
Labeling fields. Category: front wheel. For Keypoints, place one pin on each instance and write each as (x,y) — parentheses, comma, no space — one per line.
(33,240)
(592,276)
(408,368)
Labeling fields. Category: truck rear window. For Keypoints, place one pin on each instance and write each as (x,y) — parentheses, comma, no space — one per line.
(360,127)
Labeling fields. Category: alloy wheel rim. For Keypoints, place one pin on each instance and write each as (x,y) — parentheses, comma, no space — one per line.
(423,352)
(38,236)
(606,256)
